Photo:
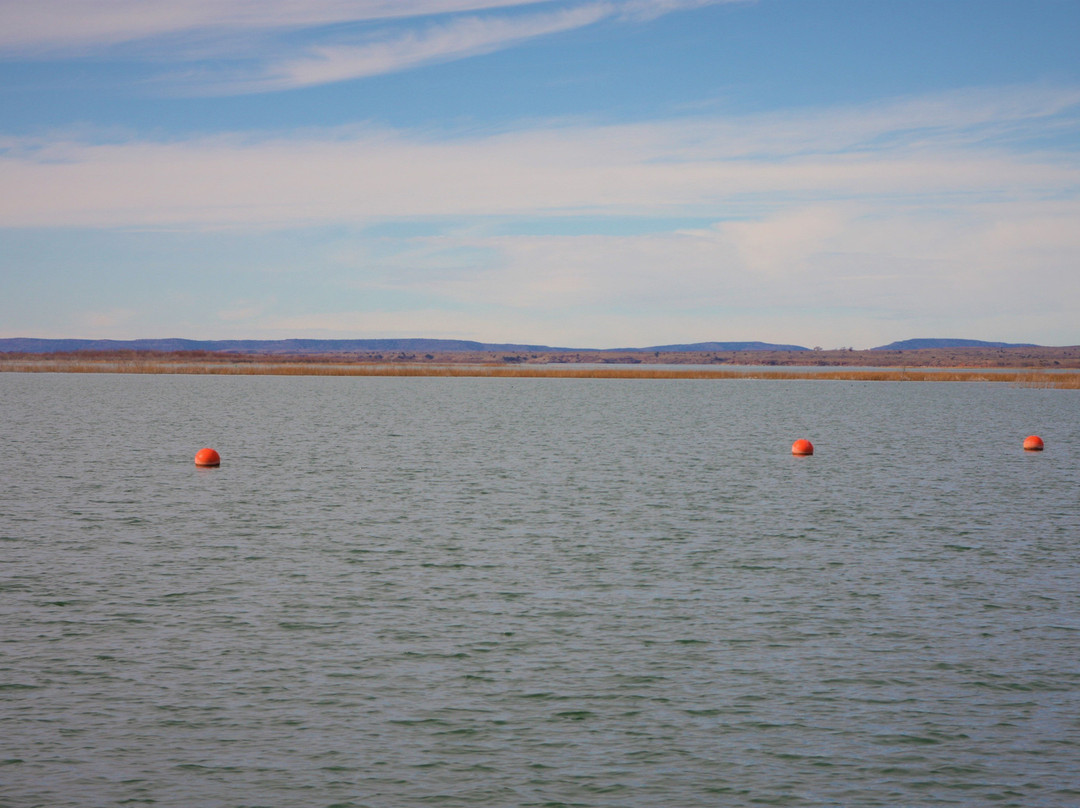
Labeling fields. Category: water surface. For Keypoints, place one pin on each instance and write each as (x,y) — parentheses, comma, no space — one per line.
(536,592)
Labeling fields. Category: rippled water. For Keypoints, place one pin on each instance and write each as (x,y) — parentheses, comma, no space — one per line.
(537,592)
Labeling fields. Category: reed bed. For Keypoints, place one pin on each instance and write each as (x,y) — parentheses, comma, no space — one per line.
(1026,378)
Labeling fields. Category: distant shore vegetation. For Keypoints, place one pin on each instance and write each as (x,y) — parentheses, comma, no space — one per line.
(1028,367)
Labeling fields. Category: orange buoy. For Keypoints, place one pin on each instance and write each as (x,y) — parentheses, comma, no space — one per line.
(802,447)
(207,457)
(1033,443)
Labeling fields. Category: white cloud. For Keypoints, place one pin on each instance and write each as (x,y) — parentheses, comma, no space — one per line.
(239,46)
(219,47)
(651,9)
(55,26)
(459,38)
(702,168)
(781,245)
(857,255)
(855,219)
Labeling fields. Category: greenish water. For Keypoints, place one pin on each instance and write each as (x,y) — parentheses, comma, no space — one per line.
(537,592)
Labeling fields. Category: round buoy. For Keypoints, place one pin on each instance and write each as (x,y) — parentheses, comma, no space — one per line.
(207,457)
(802,447)
(1033,443)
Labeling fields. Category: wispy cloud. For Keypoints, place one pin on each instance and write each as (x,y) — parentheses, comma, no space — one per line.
(456,39)
(242,46)
(651,9)
(913,151)
(816,255)
(940,207)
(53,27)
(857,266)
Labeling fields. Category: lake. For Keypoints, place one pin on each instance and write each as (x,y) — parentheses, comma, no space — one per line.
(402,592)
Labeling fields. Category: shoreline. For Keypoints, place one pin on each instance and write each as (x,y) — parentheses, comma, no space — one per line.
(262,365)
(1017,358)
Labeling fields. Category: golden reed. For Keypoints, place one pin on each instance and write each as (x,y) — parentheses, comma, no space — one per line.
(1023,378)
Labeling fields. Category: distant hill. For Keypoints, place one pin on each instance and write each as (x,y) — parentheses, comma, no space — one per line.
(721,346)
(330,346)
(257,346)
(917,344)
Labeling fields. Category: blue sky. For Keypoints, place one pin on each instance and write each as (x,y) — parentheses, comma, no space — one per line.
(588,173)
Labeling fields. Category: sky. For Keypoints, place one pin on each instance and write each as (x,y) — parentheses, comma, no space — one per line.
(575,173)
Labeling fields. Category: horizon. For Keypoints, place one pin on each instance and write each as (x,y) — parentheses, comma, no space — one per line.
(701,346)
(616,172)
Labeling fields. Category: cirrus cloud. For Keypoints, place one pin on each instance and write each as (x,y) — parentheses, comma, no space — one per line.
(216,47)
(722,168)
(55,27)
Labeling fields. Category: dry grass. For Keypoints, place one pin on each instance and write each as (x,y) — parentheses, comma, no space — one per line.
(204,366)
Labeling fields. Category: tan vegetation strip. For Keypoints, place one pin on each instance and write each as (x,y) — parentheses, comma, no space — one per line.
(1030,378)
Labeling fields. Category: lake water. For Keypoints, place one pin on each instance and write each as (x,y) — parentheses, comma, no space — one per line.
(537,592)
